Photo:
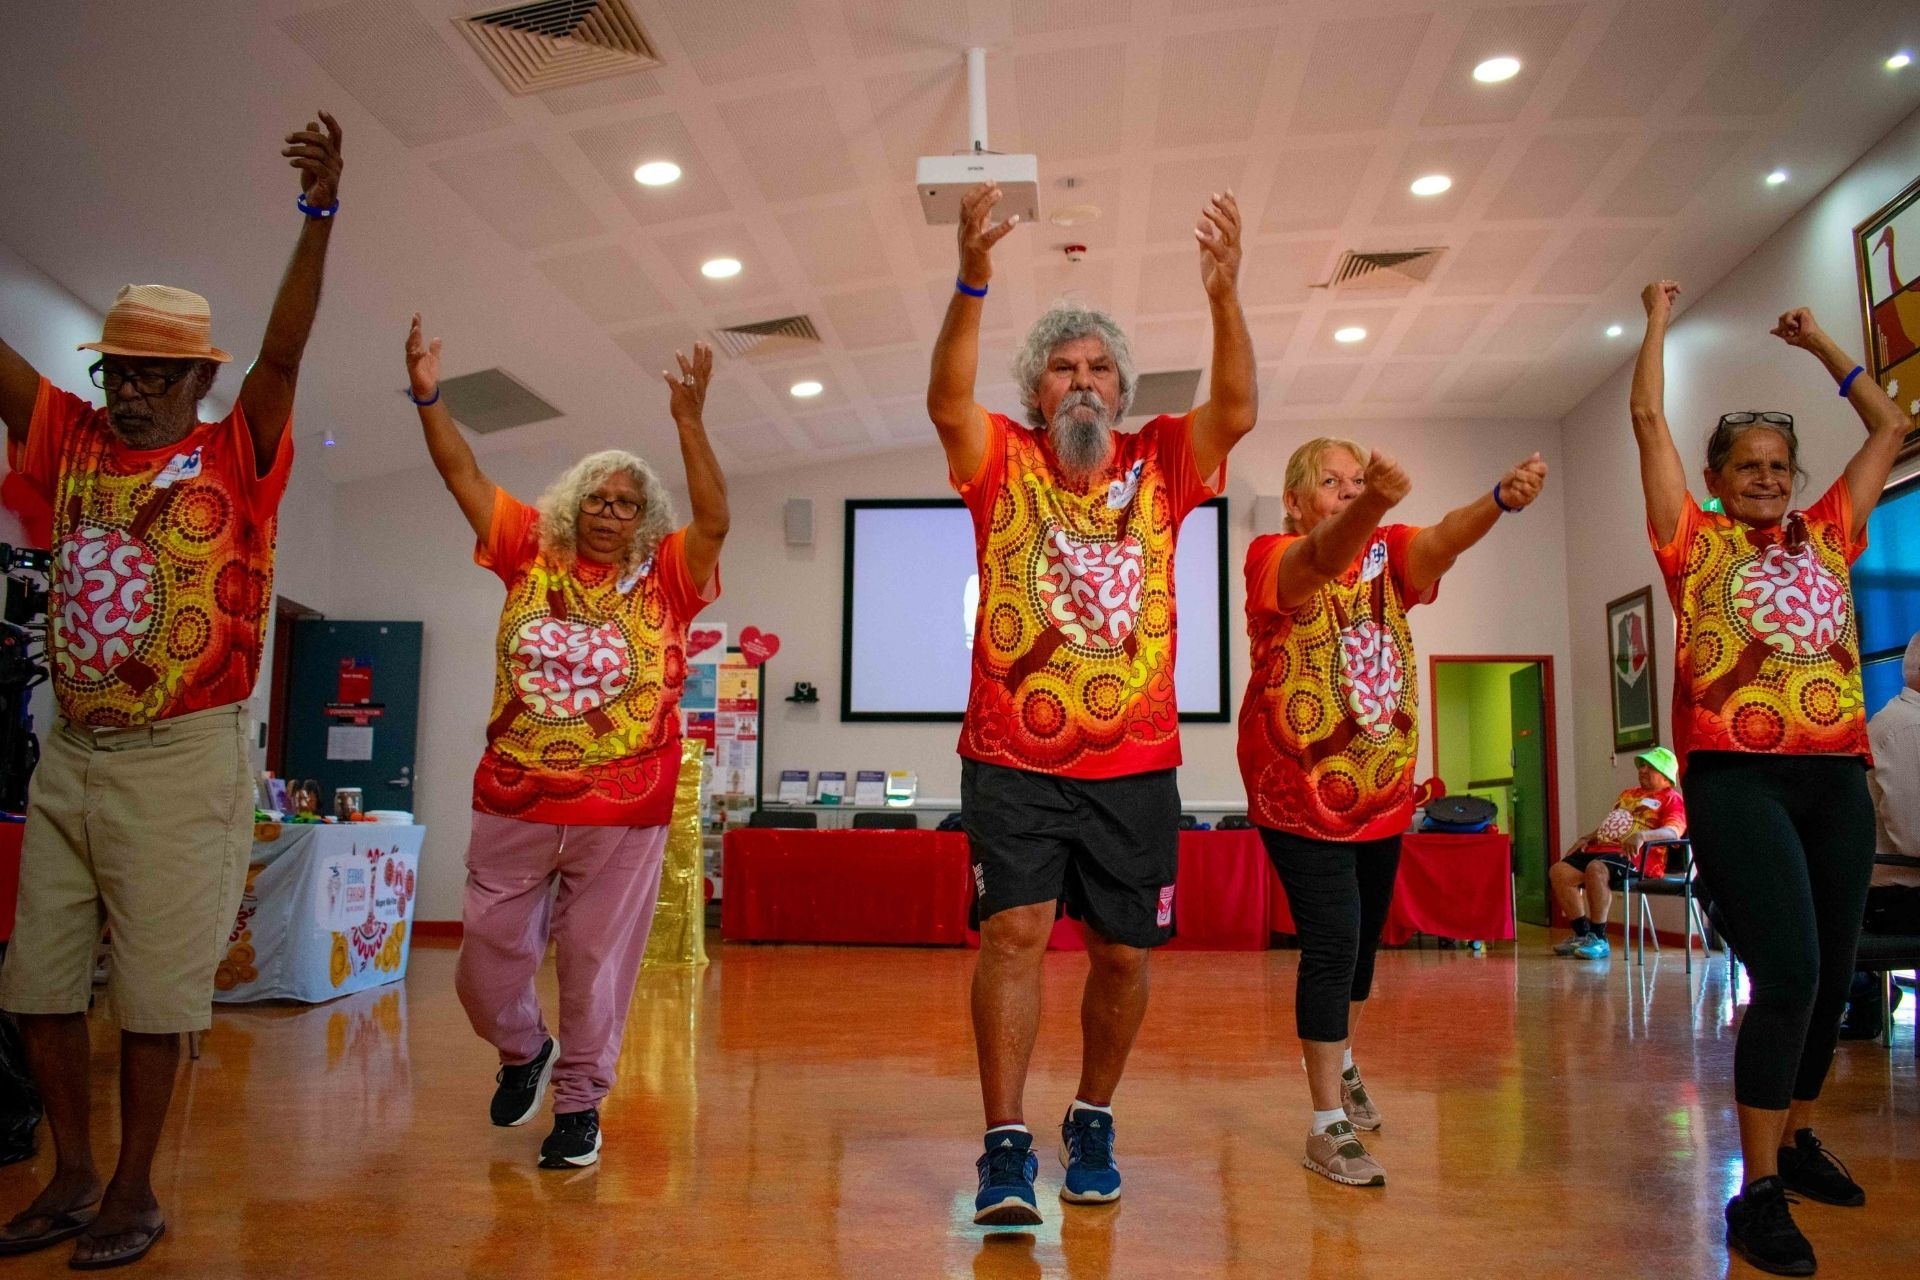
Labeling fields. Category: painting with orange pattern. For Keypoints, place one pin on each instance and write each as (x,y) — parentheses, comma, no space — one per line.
(1890,298)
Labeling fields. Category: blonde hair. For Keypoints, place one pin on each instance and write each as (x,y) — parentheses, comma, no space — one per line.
(1303,468)
(560,507)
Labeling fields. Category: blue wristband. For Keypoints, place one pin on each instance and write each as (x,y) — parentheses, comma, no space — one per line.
(435,399)
(1846,383)
(315,211)
(1496,500)
(968,289)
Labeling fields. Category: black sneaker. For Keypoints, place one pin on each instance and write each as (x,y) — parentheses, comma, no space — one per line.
(1809,1169)
(1760,1229)
(522,1087)
(574,1142)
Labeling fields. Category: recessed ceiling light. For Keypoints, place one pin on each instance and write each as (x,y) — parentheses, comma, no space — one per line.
(720,268)
(1614,331)
(1431,185)
(657,173)
(1494,70)
(1075,215)
(1899,60)
(806,390)
(1777,177)
(1352,333)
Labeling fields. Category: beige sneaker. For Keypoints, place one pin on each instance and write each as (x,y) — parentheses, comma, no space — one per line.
(1359,1105)
(1337,1154)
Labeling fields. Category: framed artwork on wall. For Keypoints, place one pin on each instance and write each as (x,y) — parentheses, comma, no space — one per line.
(1890,302)
(1630,670)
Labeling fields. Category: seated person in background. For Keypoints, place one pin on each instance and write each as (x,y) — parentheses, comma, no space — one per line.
(1584,881)
(1893,903)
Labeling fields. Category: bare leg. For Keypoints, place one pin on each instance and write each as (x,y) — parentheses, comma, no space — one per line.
(59,1056)
(1111,1010)
(1006,1005)
(1566,890)
(1799,1116)
(129,1210)
(1760,1134)
(1324,1061)
(1599,892)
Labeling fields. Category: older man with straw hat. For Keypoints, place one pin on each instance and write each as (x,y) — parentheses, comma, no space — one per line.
(141,810)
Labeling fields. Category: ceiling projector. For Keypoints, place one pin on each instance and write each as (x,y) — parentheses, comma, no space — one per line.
(944,180)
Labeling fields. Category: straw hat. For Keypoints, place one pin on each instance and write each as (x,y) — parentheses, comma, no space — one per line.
(160,321)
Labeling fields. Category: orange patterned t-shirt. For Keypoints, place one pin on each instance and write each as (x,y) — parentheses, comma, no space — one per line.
(1074,640)
(162,561)
(1768,654)
(1328,727)
(585,727)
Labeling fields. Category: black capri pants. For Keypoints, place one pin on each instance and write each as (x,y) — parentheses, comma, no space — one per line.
(1785,846)
(1339,892)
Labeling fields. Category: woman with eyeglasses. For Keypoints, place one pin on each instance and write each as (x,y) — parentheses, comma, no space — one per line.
(583,743)
(1771,730)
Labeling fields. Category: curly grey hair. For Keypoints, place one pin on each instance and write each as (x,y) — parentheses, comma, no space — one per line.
(1062,323)
(560,506)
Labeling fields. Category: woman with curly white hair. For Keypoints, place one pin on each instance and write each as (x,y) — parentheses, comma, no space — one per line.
(583,744)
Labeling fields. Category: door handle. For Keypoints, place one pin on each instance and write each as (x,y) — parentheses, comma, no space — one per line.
(399,782)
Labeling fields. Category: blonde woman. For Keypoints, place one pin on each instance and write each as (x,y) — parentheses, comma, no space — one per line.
(577,781)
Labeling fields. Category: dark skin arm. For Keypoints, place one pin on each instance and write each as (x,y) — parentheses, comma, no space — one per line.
(706,486)
(266,395)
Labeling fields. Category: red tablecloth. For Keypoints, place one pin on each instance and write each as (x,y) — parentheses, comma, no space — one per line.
(1449,886)
(845,886)
(10,835)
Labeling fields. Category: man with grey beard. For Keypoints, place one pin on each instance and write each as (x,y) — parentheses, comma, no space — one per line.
(1071,736)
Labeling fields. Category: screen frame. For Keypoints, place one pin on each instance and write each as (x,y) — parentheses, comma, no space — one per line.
(849,716)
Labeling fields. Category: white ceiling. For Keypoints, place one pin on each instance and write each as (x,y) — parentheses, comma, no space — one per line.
(142,144)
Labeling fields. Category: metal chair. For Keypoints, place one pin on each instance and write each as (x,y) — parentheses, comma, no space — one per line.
(886,820)
(1676,883)
(794,818)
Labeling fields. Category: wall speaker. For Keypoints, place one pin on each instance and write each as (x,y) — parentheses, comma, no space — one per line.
(799,522)
(1269,513)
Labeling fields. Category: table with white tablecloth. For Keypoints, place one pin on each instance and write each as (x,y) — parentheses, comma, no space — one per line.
(327,911)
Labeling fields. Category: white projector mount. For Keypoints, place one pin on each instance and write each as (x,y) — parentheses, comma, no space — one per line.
(943,180)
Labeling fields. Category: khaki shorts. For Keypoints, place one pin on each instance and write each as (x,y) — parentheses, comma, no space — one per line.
(148,830)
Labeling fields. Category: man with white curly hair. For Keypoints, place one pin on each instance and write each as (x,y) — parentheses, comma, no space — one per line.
(1071,735)
(576,785)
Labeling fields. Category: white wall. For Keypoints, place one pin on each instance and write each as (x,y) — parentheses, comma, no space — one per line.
(1719,358)
(403,552)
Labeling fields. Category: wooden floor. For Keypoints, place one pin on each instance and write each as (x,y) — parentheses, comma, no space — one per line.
(797,1111)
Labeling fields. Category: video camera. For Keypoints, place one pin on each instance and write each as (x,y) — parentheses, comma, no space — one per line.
(22,666)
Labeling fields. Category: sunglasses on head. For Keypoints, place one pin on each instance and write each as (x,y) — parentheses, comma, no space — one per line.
(1741,419)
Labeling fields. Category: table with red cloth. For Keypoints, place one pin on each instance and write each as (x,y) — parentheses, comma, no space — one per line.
(786,885)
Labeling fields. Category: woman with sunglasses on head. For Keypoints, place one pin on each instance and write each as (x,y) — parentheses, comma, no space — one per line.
(577,782)
(1770,727)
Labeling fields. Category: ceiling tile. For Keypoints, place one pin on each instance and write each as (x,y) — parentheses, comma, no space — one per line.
(1089,282)
(1491,261)
(837,245)
(1533,327)
(398,68)
(1171,344)
(1211,84)
(888,28)
(517,191)
(1404,381)
(605,283)
(1182,188)
(1070,104)
(1275,274)
(1313,187)
(1462,159)
(617,91)
(753,441)
(1344,313)
(1332,97)
(1272,332)
(896,373)
(1595,259)
(686,250)
(833,428)
(1633,66)
(651,346)
(1442,328)
(1672,172)
(1486,381)
(1553,173)
(923,112)
(866,318)
(1781,49)
(617,149)
(790,142)
(905,420)
(729,40)
(1531,33)
(779,379)
(1322,383)
(1037,17)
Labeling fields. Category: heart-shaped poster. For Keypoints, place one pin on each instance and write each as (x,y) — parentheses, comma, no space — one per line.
(705,643)
(756,646)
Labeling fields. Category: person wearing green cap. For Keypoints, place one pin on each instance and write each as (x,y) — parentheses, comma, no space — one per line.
(1584,881)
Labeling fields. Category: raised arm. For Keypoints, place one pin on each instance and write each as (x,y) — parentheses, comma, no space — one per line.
(452,457)
(1233,392)
(267,393)
(1324,554)
(19,387)
(706,487)
(1435,548)
(959,419)
(1663,478)
(1886,424)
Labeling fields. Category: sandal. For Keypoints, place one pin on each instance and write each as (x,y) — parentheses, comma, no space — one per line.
(133,1253)
(61,1226)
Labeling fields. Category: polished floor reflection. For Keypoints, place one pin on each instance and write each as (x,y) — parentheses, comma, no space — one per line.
(799,1111)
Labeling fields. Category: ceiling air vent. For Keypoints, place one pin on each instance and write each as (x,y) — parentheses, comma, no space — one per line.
(767,337)
(548,43)
(1396,269)
(493,400)
(1158,393)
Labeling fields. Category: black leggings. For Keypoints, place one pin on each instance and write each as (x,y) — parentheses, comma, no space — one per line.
(1785,847)
(1339,893)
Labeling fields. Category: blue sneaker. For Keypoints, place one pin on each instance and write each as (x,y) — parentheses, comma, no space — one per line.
(1593,947)
(1086,1153)
(1006,1170)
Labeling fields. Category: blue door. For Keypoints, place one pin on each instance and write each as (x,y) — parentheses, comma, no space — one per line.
(353,707)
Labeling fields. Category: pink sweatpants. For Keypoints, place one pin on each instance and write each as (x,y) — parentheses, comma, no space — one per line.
(609,881)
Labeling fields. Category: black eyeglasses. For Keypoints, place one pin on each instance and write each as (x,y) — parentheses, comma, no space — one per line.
(1782,420)
(593,504)
(147,382)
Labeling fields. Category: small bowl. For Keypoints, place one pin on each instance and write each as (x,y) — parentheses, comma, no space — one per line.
(391,817)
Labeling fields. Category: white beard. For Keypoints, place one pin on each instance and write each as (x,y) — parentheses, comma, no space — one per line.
(1083,445)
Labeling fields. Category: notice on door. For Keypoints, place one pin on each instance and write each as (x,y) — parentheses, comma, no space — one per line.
(350,742)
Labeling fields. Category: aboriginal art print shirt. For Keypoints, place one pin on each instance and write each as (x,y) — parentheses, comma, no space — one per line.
(1074,639)
(162,561)
(1638,809)
(585,728)
(1327,729)
(1768,655)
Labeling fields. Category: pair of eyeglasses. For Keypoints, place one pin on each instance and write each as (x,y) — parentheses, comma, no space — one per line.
(594,505)
(147,382)
(1782,420)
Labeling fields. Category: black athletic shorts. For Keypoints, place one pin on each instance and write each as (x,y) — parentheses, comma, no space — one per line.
(1618,868)
(1106,849)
